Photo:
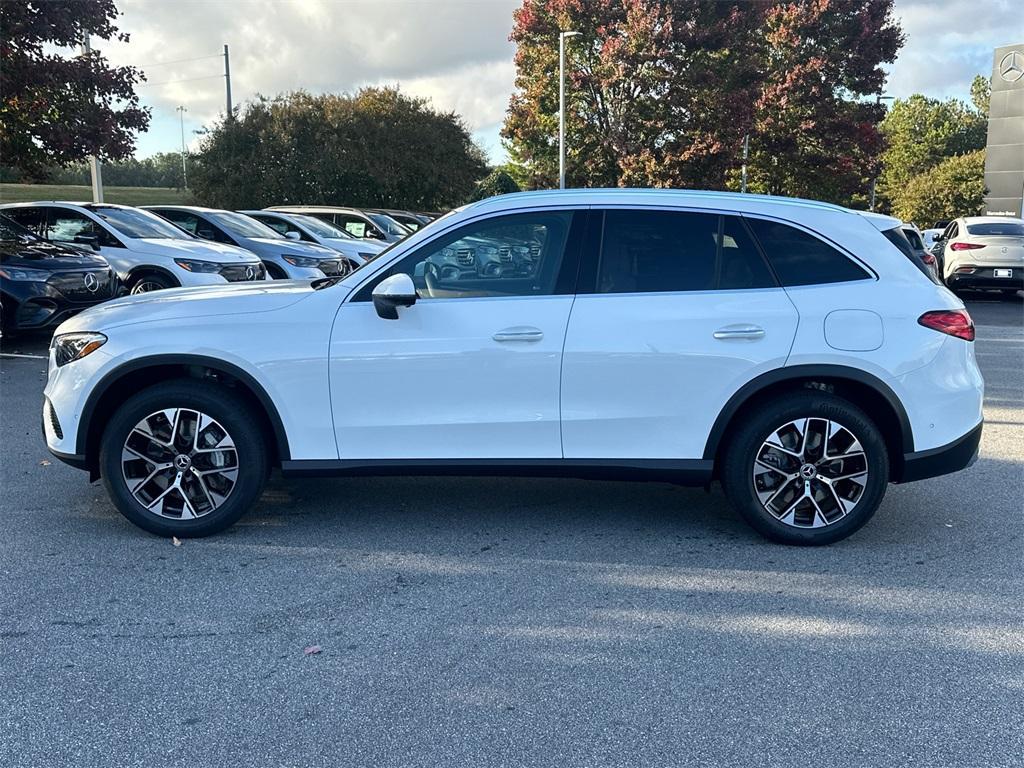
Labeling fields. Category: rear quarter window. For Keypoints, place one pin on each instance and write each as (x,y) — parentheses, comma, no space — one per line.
(800,258)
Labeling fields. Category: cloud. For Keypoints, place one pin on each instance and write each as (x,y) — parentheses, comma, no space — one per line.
(949,42)
(455,53)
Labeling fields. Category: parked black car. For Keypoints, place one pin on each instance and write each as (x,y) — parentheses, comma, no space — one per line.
(42,283)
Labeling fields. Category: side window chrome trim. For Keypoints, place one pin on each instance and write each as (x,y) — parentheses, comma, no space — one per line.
(400,252)
(872,275)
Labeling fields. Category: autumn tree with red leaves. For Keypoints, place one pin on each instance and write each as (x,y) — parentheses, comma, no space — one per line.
(661,93)
(59,109)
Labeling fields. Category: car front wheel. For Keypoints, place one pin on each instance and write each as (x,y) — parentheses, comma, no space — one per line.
(809,468)
(184,458)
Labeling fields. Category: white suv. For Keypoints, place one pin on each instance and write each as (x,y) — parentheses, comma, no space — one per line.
(784,347)
(147,252)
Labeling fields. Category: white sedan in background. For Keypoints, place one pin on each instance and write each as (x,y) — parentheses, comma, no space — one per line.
(147,252)
(310,229)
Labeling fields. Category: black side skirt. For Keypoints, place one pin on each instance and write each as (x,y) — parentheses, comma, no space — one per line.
(957,455)
(695,472)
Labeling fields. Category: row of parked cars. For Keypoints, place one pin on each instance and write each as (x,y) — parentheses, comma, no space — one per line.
(985,252)
(57,258)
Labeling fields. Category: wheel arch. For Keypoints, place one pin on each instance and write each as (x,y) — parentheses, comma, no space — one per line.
(149,269)
(860,387)
(134,375)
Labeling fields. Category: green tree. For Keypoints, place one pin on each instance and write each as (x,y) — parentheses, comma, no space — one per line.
(55,111)
(981,93)
(497,182)
(662,92)
(954,187)
(920,133)
(377,148)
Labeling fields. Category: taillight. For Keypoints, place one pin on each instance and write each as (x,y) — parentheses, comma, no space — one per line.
(928,258)
(953,322)
(966,246)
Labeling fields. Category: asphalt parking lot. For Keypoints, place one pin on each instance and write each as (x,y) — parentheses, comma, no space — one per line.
(520,622)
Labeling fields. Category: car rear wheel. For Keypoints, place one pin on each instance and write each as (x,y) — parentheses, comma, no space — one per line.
(184,458)
(809,468)
(151,282)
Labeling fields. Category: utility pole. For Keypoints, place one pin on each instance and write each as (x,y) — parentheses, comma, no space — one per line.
(95,168)
(227,80)
(561,106)
(746,154)
(874,179)
(181,110)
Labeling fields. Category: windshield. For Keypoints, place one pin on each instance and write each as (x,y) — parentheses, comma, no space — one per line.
(13,231)
(241,225)
(388,224)
(914,239)
(1012,228)
(133,222)
(321,227)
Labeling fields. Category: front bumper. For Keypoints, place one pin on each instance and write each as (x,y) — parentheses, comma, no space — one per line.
(30,305)
(944,460)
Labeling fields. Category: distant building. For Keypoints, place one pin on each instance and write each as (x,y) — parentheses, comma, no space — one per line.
(1004,154)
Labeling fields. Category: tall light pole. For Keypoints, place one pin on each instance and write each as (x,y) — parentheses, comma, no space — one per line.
(561,106)
(181,110)
(95,167)
(874,179)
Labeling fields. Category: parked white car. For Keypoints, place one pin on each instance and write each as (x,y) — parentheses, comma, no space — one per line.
(310,229)
(147,252)
(783,347)
(983,252)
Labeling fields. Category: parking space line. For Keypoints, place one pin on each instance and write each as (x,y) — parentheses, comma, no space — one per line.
(27,357)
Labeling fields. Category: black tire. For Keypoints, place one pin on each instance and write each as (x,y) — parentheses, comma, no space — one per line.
(747,440)
(154,279)
(216,401)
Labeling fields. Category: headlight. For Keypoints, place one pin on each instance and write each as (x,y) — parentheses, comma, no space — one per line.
(194,265)
(69,347)
(487,250)
(25,275)
(300,261)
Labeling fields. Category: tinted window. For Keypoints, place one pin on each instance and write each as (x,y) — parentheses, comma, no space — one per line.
(30,218)
(11,231)
(799,258)
(352,224)
(898,237)
(646,251)
(651,251)
(278,225)
(388,224)
(741,264)
(1012,228)
(518,255)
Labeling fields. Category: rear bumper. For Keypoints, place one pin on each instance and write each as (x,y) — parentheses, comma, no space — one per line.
(944,460)
(984,277)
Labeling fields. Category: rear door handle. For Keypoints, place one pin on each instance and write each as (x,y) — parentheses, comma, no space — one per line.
(739,332)
(519,333)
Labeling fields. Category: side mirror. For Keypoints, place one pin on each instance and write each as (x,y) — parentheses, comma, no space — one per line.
(393,292)
(91,240)
(293,235)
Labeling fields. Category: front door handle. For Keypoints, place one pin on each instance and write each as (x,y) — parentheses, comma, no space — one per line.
(519,333)
(739,332)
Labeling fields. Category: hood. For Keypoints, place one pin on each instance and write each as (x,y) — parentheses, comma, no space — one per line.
(292,247)
(361,246)
(193,249)
(176,303)
(48,256)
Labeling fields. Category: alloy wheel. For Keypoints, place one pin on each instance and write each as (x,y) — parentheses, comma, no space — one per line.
(145,286)
(810,473)
(179,463)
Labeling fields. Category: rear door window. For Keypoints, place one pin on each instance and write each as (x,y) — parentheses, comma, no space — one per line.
(800,258)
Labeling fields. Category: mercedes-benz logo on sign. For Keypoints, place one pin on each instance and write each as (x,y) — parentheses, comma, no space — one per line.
(1011,68)
(250,273)
(91,283)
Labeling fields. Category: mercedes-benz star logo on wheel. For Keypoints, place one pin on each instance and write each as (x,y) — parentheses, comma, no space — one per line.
(1011,68)
(250,273)
(91,283)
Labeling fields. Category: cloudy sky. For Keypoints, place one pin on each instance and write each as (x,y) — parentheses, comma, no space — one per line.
(455,52)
